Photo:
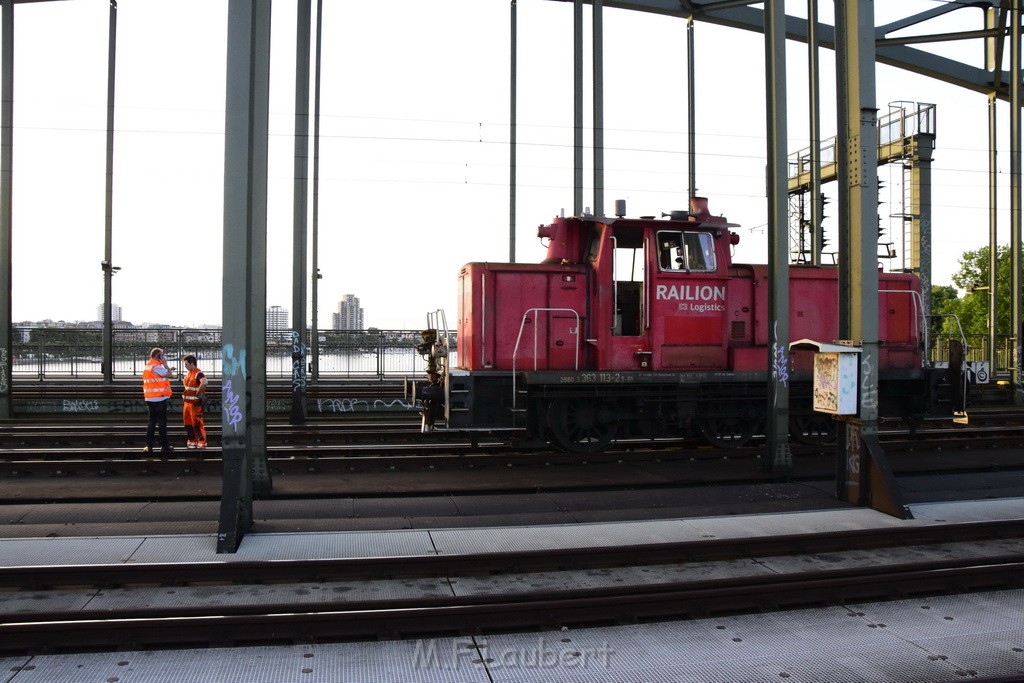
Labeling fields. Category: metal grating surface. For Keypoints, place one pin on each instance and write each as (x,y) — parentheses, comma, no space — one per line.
(949,615)
(44,601)
(63,551)
(388,662)
(504,504)
(10,667)
(609,577)
(786,564)
(970,510)
(317,508)
(69,513)
(269,547)
(818,521)
(405,507)
(181,511)
(981,655)
(267,594)
(519,539)
(826,644)
(13,514)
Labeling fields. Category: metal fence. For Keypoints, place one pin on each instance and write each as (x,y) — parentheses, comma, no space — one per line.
(977,350)
(49,352)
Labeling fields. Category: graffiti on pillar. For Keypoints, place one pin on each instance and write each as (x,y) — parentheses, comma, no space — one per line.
(5,384)
(231,406)
(298,363)
(780,361)
(869,386)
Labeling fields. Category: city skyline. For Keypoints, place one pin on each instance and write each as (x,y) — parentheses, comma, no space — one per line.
(349,316)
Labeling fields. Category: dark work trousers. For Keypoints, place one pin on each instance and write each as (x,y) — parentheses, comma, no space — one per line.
(157,418)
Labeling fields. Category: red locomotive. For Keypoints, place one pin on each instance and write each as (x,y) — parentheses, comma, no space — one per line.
(644,327)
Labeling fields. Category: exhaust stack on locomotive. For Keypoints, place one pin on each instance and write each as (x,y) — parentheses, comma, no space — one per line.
(642,327)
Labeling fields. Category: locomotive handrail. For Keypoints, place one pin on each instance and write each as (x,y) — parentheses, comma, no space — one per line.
(647,292)
(956,319)
(519,337)
(438,320)
(615,282)
(483,320)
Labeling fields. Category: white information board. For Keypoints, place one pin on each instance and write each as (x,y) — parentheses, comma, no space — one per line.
(835,382)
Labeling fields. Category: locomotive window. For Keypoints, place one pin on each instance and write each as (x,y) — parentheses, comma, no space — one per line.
(629,276)
(690,252)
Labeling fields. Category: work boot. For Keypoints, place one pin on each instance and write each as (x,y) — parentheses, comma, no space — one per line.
(191,444)
(167,449)
(201,444)
(147,449)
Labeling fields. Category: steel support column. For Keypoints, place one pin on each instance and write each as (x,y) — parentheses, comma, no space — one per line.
(814,117)
(314,332)
(691,107)
(993,234)
(921,213)
(6,158)
(863,475)
(300,232)
(1015,201)
(779,457)
(577,99)
(598,93)
(108,222)
(512,107)
(245,240)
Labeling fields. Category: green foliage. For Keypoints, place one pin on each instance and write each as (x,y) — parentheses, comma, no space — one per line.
(972,309)
(944,302)
(65,342)
(67,336)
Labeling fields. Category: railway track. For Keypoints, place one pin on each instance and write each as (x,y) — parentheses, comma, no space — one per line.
(405,426)
(240,603)
(385,455)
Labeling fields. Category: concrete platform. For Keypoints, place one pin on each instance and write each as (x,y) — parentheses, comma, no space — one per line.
(944,638)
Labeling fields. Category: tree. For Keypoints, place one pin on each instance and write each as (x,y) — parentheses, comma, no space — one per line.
(945,301)
(973,307)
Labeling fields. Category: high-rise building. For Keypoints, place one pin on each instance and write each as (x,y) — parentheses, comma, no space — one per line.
(349,315)
(277,318)
(115,313)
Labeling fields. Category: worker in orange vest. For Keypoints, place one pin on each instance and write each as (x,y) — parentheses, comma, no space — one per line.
(156,388)
(194,400)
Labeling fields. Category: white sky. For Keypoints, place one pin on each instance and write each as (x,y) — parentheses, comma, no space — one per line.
(414,154)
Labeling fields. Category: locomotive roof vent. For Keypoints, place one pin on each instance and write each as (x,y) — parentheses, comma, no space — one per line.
(677,215)
(620,208)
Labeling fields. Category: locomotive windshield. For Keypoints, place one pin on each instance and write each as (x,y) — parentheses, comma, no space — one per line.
(691,252)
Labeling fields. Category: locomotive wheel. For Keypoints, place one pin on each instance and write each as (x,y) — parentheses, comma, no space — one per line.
(581,425)
(814,429)
(727,432)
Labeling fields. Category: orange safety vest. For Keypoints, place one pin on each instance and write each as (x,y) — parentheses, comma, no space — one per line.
(191,381)
(155,387)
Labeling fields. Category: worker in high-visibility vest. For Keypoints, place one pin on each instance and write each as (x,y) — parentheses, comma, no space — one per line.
(194,400)
(156,388)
